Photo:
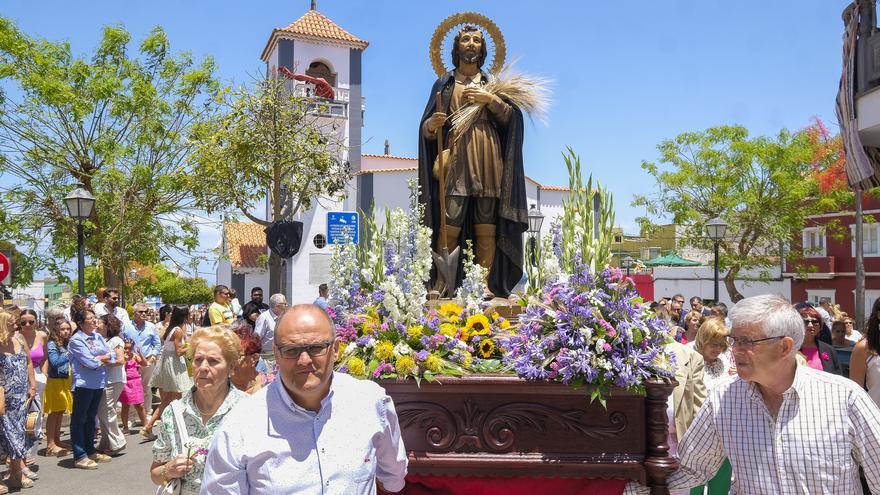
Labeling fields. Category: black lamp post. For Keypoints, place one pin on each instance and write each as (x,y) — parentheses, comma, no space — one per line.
(79,205)
(627,263)
(535,221)
(716,228)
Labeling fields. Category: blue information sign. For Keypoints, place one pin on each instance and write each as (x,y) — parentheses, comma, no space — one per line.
(342,224)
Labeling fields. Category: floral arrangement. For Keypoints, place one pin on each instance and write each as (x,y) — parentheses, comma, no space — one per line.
(590,330)
(444,341)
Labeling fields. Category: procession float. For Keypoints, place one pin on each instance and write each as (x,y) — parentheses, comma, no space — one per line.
(515,367)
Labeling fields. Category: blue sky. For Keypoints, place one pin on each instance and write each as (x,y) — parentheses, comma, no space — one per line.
(626,74)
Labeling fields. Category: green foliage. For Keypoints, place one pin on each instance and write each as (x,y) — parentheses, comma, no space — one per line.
(265,138)
(116,122)
(761,186)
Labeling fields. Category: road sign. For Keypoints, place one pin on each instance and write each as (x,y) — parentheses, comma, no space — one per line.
(5,269)
(341,224)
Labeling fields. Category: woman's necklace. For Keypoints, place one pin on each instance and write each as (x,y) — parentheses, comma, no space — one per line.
(208,413)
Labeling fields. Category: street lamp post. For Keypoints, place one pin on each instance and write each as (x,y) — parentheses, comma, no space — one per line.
(536,219)
(716,228)
(627,263)
(79,205)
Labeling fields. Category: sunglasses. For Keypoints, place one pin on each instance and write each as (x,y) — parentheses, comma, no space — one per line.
(808,322)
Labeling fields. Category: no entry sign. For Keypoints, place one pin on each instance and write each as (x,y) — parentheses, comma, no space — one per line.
(5,267)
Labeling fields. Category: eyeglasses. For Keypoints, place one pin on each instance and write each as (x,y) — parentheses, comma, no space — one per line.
(141,312)
(745,342)
(313,350)
(808,322)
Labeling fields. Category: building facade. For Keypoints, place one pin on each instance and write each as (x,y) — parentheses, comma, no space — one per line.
(827,267)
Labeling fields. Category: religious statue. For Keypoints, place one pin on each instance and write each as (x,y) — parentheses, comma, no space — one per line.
(485,195)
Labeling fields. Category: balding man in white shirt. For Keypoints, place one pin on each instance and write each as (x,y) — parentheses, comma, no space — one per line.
(311,431)
(787,429)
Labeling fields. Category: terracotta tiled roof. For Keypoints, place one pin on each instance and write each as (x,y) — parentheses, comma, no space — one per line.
(387,170)
(245,243)
(393,157)
(313,26)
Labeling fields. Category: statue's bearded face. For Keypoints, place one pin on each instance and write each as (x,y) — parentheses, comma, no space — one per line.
(469,47)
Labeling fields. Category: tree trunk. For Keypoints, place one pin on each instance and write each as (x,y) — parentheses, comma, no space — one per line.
(732,291)
(111,279)
(275,273)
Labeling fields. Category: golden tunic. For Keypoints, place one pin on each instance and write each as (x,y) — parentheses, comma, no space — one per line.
(476,158)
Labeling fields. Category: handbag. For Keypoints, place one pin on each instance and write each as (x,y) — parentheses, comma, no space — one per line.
(30,425)
(173,487)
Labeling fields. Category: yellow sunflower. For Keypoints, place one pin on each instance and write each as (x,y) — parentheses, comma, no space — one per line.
(451,311)
(448,329)
(487,348)
(477,325)
(356,367)
(384,350)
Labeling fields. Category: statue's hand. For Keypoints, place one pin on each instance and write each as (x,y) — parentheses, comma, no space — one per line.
(436,121)
(473,94)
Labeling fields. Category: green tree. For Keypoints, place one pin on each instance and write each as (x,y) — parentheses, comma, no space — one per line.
(763,187)
(116,122)
(157,280)
(267,142)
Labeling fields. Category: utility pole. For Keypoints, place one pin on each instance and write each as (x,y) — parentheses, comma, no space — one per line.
(860,264)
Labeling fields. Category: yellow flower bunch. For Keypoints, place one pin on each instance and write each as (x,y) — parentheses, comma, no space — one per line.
(405,365)
(432,363)
(342,346)
(415,332)
(384,350)
(357,367)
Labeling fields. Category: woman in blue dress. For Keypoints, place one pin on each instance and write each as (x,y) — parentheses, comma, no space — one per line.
(20,388)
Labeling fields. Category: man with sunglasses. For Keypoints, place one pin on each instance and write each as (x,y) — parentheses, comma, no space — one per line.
(111,306)
(311,430)
(787,429)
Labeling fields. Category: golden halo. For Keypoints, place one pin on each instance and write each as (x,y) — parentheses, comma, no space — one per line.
(473,18)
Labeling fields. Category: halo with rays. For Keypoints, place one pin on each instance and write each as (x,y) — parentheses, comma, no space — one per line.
(441,41)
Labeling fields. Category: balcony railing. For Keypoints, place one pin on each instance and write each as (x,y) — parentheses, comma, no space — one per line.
(337,107)
(867,57)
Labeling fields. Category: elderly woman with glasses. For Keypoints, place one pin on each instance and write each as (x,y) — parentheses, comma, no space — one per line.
(214,352)
(819,354)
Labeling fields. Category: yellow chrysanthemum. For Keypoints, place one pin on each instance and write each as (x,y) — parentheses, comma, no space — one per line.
(478,325)
(487,348)
(448,329)
(504,323)
(495,316)
(405,365)
(432,363)
(384,350)
(357,367)
(414,332)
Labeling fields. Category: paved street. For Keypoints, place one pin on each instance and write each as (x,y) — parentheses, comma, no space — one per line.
(127,473)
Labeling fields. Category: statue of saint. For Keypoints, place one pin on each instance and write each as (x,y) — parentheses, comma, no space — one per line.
(485,183)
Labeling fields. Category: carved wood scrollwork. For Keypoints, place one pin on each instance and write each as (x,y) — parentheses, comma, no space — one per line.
(471,429)
(437,422)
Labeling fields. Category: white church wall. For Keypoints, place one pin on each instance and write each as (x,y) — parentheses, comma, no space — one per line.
(700,281)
